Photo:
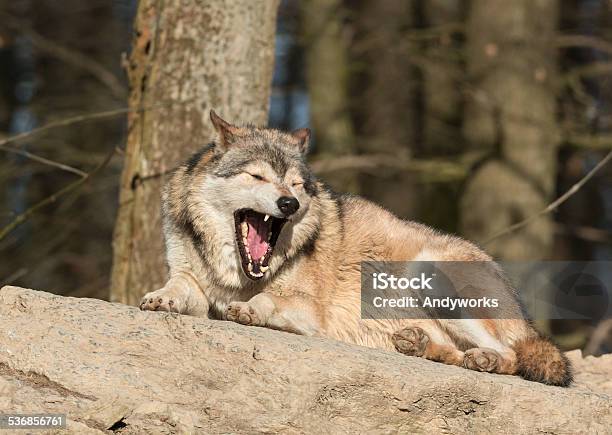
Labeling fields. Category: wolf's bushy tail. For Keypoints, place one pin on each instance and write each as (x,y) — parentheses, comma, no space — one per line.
(539,360)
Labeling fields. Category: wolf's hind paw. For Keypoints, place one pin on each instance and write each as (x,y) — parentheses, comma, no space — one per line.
(410,341)
(242,312)
(481,359)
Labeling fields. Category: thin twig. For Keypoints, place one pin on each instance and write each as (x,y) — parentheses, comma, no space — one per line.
(83,118)
(43,160)
(21,218)
(599,44)
(556,203)
(441,168)
(68,121)
(592,69)
(435,169)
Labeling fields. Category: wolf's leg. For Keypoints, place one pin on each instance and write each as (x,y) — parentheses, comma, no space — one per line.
(181,294)
(489,353)
(297,314)
(426,339)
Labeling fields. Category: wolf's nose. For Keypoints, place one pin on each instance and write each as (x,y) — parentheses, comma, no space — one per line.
(288,205)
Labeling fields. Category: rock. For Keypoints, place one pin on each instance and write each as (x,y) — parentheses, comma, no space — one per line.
(110,366)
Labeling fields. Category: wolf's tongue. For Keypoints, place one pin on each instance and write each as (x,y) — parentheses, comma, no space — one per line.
(257,238)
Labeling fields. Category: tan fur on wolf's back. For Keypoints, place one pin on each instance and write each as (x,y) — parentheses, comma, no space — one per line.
(253,237)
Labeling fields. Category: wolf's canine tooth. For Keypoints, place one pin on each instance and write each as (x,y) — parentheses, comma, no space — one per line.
(269,234)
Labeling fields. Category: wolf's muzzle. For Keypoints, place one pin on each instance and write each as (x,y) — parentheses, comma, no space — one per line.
(288,205)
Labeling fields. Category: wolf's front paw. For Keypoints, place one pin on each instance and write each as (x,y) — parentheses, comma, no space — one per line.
(481,359)
(410,341)
(242,312)
(163,300)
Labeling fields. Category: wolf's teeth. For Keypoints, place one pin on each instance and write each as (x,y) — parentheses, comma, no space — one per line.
(264,268)
(250,267)
(266,218)
(245,229)
(245,241)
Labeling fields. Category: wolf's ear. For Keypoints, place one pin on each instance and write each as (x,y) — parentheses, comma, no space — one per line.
(228,133)
(302,137)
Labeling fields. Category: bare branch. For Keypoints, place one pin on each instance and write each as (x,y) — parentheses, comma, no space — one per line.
(566,41)
(65,122)
(61,123)
(590,70)
(43,160)
(21,218)
(81,118)
(442,168)
(556,203)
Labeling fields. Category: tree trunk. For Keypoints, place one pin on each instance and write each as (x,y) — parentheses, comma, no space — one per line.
(442,72)
(387,103)
(327,75)
(187,58)
(441,79)
(327,72)
(510,116)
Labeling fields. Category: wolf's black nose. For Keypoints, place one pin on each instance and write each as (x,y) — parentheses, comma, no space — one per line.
(288,205)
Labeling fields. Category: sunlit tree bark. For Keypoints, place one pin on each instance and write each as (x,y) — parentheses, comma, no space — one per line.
(187,58)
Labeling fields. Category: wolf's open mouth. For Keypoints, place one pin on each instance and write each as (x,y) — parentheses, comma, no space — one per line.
(256,235)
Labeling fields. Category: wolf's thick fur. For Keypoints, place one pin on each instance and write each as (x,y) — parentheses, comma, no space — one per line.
(312,283)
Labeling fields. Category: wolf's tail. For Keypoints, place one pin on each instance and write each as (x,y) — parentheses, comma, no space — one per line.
(540,360)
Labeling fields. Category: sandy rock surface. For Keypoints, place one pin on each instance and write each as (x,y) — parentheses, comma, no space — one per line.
(111,367)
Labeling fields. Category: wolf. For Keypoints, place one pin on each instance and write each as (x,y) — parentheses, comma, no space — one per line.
(253,236)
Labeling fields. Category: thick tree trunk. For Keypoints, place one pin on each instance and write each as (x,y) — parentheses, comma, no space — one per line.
(441,79)
(386,107)
(187,58)
(442,72)
(510,115)
(327,73)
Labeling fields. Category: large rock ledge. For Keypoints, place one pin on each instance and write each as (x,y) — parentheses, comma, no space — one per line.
(112,367)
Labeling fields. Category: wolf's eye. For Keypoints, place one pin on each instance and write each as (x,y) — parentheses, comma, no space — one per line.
(257,177)
(297,183)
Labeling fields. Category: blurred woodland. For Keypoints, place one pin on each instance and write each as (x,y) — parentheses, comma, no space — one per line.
(470,116)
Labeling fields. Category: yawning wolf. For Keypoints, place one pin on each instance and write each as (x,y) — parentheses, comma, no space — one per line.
(253,237)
